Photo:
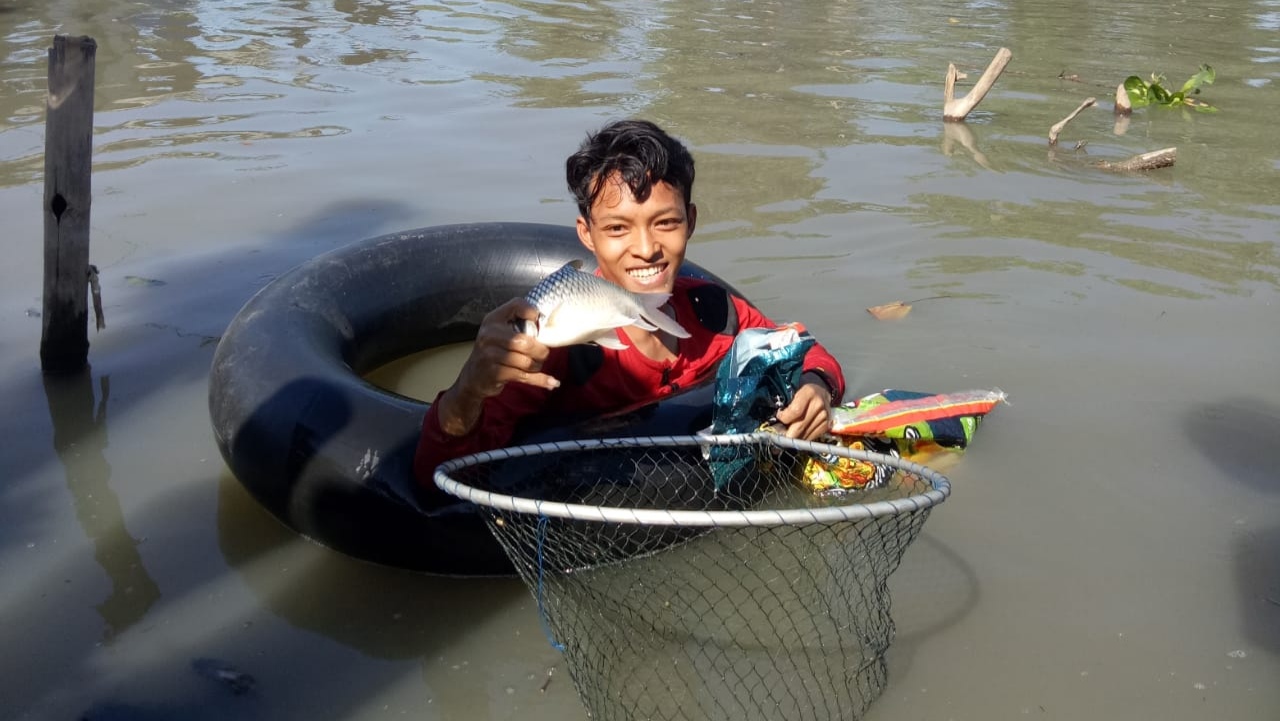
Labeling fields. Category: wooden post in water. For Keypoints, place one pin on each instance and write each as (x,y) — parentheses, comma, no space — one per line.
(68,155)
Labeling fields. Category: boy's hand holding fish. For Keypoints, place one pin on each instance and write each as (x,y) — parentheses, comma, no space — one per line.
(568,307)
(501,355)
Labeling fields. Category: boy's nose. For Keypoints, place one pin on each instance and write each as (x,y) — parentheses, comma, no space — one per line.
(645,247)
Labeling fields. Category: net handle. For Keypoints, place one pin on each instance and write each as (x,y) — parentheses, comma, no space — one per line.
(941,487)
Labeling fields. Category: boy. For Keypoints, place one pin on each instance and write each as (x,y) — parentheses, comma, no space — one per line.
(633,184)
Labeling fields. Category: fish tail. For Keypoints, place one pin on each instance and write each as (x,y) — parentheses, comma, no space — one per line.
(651,312)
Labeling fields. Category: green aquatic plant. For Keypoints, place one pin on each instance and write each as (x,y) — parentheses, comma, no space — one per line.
(1143,93)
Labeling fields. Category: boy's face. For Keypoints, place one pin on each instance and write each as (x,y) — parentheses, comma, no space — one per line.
(639,246)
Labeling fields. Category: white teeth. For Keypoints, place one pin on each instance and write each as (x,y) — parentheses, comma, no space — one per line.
(643,273)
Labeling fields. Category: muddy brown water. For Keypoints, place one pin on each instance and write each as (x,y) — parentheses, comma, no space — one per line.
(1112,547)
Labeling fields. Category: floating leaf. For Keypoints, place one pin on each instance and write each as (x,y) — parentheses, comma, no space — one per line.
(1137,90)
(1153,92)
(890,311)
(1204,77)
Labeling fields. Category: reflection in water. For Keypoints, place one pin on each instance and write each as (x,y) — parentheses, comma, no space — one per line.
(933,590)
(79,439)
(1256,558)
(1239,436)
(961,134)
(1122,124)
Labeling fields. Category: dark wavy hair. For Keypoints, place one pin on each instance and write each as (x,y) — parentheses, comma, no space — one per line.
(640,152)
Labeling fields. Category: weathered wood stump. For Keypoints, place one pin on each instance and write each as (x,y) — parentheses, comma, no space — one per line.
(64,340)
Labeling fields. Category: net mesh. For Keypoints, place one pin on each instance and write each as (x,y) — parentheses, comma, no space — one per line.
(672,599)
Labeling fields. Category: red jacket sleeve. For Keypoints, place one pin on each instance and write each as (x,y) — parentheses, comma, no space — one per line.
(498,419)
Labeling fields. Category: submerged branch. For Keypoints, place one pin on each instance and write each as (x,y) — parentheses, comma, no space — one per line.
(1147,161)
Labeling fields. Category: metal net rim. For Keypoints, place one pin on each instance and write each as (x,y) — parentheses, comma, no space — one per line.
(853,511)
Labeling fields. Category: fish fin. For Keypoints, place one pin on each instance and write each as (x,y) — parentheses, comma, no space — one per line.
(651,312)
(609,339)
(567,268)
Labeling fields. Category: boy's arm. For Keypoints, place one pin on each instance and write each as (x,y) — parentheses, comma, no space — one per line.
(503,380)
(495,424)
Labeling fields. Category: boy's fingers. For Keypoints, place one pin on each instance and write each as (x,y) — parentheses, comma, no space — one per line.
(541,380)
(807,416)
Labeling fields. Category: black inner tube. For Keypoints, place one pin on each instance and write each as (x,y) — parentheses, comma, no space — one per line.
(329,453)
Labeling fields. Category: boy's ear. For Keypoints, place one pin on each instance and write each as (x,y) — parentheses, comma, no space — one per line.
(692,214)
(584,234)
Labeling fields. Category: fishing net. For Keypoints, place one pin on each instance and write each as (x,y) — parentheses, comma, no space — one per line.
(677,593)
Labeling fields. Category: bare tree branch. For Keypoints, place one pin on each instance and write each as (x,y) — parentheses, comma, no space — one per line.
(956,110)
(1057,128)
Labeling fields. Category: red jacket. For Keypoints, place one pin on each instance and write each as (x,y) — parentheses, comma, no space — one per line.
(625,378)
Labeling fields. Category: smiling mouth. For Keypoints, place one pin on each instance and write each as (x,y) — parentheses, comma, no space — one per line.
(646,272)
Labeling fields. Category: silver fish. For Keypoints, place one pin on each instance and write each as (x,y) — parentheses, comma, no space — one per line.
(579,307)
